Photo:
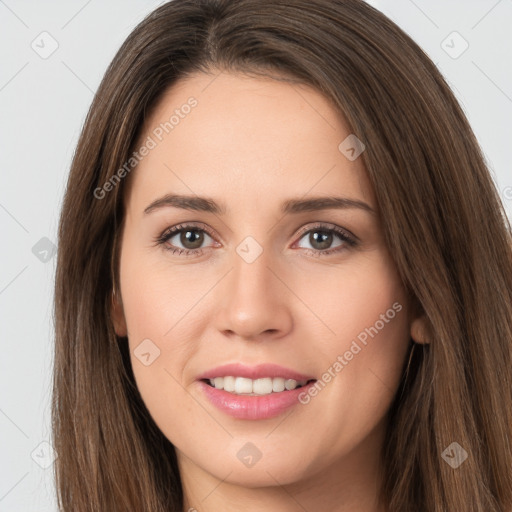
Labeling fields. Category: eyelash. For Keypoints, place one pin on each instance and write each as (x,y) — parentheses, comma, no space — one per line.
(166,235)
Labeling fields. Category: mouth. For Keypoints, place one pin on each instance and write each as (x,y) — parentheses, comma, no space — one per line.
(253,392)
(255,387)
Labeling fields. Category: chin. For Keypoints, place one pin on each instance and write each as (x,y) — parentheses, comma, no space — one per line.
(262,474)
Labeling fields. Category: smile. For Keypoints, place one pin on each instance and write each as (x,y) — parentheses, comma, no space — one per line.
(253,392)
(255,387)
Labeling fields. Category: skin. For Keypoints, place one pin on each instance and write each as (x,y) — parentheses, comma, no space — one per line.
(250,144)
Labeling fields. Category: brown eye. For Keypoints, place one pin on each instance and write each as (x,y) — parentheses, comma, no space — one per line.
(191,239)
(321,239)
(188,239)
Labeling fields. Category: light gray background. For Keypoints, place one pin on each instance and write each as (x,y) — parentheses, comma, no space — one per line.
(44,102)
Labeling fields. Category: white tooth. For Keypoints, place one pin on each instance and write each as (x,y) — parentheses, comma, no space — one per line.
(290,384)
(262,386)
(218,382)
(229,384)
(301,383)
(243,385)
(212,382)
(277,384)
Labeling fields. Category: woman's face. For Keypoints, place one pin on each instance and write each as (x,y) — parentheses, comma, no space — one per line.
(280,270)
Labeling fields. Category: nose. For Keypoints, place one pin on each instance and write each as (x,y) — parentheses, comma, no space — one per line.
(254,301)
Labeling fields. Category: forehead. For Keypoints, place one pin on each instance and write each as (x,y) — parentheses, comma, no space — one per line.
(257,138)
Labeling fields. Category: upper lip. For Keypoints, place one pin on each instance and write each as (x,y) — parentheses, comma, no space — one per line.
(253,372)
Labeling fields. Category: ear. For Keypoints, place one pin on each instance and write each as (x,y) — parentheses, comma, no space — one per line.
(117,315)
(419,330)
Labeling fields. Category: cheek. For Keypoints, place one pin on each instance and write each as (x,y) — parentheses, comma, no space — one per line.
(159,355)
(158,298)
(364,357)
(363,301)
(158,308)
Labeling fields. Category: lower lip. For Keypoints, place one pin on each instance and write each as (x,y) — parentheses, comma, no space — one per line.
(253,407)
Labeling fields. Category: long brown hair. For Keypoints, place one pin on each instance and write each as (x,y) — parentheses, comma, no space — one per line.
(444,225)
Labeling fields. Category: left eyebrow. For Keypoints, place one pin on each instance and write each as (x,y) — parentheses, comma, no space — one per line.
(290,206)
(324,203)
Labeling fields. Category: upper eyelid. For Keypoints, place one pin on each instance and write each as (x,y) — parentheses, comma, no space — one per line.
(183,226)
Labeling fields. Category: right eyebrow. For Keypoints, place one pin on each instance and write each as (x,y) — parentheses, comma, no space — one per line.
(194,203)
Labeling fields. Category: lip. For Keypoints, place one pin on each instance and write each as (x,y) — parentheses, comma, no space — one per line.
(253,372)
(253,407)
